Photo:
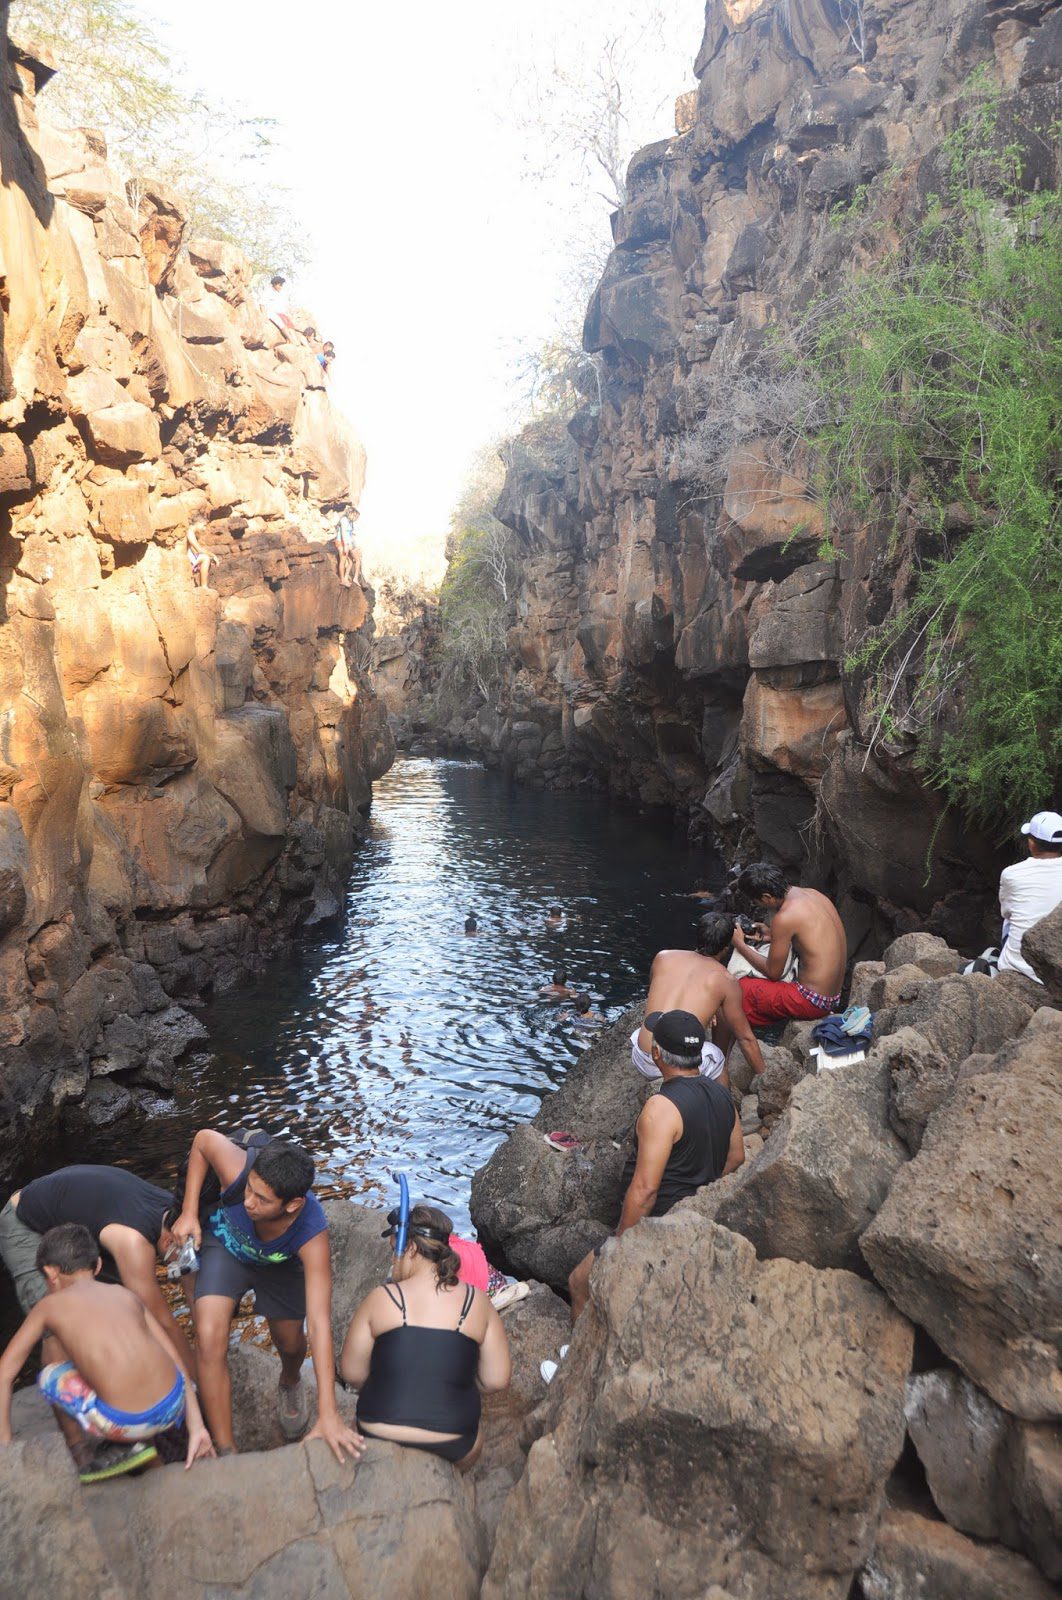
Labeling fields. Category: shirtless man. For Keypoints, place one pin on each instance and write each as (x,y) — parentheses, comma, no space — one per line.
(804,920)
(558,989)
(697,981)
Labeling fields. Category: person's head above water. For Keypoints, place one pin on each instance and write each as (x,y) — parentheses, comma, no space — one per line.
(555,914)
(429,1240)
(278,1182)
(471,924)
(560,977)
(763,884)
(581,1003)
(66,1250)
(715,933)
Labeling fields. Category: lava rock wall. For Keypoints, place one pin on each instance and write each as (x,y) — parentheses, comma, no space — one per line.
(181,768)
(689,649)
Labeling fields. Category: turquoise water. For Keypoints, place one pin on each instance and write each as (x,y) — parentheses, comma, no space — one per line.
(397,1042)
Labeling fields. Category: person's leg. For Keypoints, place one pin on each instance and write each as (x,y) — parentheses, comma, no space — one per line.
(213,1319)
(579,1284)
(204,570)
(63,1387)
(18,1249)
(765,1001)
(293,1404)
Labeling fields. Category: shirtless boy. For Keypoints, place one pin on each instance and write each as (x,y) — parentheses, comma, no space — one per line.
(111,1369)
(697,981)
(558,989)
(804,920)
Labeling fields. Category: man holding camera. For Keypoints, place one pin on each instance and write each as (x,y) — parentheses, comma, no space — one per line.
(127,1215)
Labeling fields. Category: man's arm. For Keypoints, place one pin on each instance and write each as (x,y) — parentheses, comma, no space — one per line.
(209,1150)
(317,1266)
(135,1259)
(735,1155)
(659,1126)
(14,1358)
(773,966)
(1005,902)
(199,1441)
(734,1016)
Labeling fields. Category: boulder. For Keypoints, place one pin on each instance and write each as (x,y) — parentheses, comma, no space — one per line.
(539,1209)
(361,1259)
(718,1420)
(1041,947)
(917,1558)
(823,1173)
(50,1545)
(783,1069)
(935,957)
(989,1473)
(969,1241)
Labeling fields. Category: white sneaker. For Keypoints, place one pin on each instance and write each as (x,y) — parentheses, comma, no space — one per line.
(549,1370)
(564,1350)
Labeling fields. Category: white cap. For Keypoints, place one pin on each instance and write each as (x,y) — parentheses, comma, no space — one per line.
(1045,826)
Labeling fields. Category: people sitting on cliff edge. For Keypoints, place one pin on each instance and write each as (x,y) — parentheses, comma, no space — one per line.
(111,1370)
(347,552)
(558,989)
(267,1233)
(127,1216)
(697,981)
(325,356)
(1031,889)
(688,1135)
(199,558)
(421,1349)
(802,921)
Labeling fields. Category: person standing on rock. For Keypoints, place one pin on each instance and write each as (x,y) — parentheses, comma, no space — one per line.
(275,305)
(347,551)
(688,1135)
(267,1233)
(805,922)
(1031,889)
(129,1218)
(697,981)
(199,559)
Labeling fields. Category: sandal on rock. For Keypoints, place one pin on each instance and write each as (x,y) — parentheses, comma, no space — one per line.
(114,1460)
(510,1295)
(293,1410)
(562,1141)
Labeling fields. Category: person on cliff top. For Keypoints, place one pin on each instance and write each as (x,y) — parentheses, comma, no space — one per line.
(347,552)
(267,1233)
(1031,889)
(275,305)
(111,1369)
(558,989)
(805,923)
(423,1348)
(199,558)
(697,981)
(688,1135)
(129,1217)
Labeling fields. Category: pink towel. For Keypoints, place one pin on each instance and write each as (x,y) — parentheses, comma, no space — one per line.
(474,1267)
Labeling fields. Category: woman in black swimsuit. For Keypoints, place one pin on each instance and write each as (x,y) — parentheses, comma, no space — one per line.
(422,1348)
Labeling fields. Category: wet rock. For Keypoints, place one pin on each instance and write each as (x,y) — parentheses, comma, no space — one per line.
(718,1421)
(990,1474)
(969,1241)
(823,1173)
(915,1557)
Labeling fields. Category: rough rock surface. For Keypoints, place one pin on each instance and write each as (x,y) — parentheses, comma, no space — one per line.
(1042,949)
(181,769)
(718,1420)
(687,644)
(969,1241)
(916,1557)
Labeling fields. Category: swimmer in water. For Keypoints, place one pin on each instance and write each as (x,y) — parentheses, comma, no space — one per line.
(581,1015)
(558,989)
(471,925)
(555,918)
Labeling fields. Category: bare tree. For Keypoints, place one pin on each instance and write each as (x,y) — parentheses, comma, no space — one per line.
(853,15)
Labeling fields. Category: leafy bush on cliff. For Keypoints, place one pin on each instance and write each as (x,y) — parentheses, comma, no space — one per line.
(474,595)
(942,371)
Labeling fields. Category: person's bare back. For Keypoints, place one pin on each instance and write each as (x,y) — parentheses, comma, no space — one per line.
(103,1329)
(682,980)
(818,937)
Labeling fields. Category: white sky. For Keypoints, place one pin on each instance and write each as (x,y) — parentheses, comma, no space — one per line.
(435,251)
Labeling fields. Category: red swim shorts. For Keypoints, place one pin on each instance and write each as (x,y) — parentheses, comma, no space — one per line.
(766,1001)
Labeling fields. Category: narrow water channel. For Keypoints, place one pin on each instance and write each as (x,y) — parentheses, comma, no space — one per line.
(400,1043)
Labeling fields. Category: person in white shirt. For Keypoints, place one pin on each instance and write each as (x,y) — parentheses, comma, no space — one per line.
(275,305)
(1031,889)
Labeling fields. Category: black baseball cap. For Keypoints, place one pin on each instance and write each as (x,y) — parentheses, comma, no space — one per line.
(678,1032)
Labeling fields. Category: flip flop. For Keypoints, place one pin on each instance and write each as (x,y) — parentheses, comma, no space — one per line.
(562,1141)
(511,1295)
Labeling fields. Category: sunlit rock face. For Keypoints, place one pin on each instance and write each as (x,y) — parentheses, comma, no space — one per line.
(181,769)
(687,647)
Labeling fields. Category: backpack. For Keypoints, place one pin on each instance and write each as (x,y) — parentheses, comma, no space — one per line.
(247,1139)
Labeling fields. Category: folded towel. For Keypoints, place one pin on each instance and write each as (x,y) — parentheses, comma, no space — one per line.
(835,1039)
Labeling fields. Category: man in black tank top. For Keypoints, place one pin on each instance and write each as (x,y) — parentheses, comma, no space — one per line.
(688,1135)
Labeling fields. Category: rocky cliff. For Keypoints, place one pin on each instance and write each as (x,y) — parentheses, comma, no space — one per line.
(688,645)
(181,767)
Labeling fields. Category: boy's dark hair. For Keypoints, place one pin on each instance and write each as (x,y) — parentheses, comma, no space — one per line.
(760,879)
(286,1167)
(70,1247)
(561,975)
(582,1002)
(715,930)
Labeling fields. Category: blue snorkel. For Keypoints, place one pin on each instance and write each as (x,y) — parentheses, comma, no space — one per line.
(402,1228)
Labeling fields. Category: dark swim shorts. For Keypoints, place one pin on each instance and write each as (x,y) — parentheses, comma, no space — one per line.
(279,1286)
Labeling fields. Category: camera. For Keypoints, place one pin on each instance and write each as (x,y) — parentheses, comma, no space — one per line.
(747,924)
(184,1261)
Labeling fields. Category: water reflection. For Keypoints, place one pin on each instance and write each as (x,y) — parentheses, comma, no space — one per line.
(402,1042)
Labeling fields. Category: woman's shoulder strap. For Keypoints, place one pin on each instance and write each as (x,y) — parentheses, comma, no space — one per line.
(470,1295)
(398,1299)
